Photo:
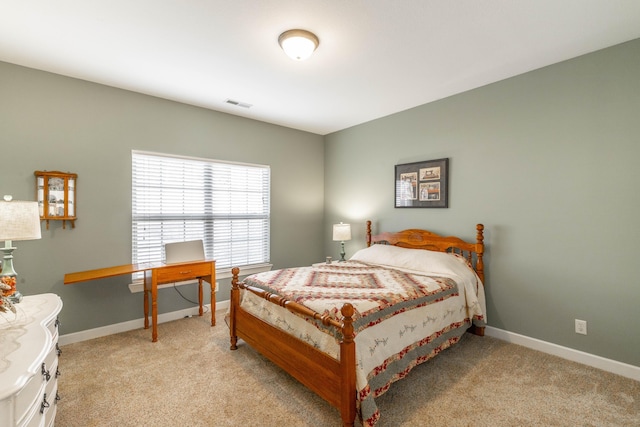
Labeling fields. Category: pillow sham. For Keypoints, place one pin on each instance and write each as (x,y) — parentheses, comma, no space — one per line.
(421,260)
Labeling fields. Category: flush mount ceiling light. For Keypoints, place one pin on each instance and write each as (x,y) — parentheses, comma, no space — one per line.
(298,44)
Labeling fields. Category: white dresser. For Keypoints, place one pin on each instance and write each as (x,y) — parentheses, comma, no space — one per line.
(29,362)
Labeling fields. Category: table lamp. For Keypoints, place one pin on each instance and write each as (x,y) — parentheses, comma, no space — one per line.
(18,221)
(341,232)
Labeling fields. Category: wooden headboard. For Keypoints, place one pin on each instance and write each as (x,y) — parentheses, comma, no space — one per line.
(423,239)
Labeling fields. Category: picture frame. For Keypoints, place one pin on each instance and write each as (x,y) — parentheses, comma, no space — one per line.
(422,184)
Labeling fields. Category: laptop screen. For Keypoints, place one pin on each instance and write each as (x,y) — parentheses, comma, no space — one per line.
(184,251)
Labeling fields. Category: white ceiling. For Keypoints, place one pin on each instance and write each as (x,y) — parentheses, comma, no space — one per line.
(376,57)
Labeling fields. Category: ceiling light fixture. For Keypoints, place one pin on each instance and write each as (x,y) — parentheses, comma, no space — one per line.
(298,44)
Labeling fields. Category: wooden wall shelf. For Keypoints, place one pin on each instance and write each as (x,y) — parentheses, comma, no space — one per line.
(56,195)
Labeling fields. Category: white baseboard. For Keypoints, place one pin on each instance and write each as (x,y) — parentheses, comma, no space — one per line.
(133,324)
(619,368)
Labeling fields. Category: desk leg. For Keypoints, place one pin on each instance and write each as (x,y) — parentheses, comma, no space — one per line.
(212,280)
(200,296)
(154,306)
(146,300)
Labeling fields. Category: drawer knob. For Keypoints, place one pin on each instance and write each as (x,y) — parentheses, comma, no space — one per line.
(58,349)
(44,405)
(45,372)
(185,272)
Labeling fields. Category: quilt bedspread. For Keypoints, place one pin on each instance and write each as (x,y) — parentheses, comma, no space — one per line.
(402,318)
(376,292)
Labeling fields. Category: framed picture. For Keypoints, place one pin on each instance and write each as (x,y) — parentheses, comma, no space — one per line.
(422,184)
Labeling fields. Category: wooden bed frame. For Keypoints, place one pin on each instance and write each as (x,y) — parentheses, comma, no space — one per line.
(333,380)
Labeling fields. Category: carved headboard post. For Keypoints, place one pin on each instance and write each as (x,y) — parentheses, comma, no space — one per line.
(480,251)
(368,233)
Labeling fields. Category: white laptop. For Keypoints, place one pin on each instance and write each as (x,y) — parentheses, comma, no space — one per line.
(192,250)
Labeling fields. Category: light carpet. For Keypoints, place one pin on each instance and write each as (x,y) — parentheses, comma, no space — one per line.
(191,378)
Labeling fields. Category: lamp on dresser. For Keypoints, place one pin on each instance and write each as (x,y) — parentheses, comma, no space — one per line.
(341,232)
(19,220)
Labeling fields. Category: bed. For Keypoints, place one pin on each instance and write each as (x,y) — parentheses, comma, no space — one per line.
(348,330)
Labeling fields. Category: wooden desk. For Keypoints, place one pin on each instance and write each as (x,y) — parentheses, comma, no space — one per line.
(156,274)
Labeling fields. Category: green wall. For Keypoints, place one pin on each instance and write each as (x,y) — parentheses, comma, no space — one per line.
(548,162)
(50,122)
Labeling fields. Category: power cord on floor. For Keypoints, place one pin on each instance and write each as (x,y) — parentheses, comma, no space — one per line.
(206,309)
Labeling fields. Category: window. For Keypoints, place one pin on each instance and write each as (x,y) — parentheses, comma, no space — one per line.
(180,198)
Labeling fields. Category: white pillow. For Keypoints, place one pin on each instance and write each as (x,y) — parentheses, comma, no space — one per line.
(413,259)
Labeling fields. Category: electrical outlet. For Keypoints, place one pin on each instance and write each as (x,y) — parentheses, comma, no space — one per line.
(216,288)
(581,327)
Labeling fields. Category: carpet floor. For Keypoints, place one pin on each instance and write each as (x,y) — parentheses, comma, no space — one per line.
(191,378)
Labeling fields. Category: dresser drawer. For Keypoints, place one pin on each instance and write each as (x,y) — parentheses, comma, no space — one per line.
(43,414)
(51,361)
(29,396)
(34,419)
(179,272)
(51,391)
(50,417)
(53,329)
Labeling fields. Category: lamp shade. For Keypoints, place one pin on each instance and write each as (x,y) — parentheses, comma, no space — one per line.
(341,232)
(19,220)
(298,44)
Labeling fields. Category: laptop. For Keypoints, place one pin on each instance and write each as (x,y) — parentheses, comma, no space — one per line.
(192,250)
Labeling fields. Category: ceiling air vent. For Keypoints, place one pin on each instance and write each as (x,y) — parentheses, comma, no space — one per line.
(238,103)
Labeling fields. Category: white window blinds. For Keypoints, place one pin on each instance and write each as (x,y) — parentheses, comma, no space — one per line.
(178,199)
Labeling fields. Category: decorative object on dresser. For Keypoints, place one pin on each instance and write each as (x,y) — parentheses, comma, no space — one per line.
(309,320)
(29,362)
(18,221)
(422,184)
(341,233)
(7,292)
(56,195)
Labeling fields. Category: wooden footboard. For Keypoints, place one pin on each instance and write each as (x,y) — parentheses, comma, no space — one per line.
(333,380)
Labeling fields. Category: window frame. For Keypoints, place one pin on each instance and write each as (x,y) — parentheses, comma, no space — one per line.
(255,213)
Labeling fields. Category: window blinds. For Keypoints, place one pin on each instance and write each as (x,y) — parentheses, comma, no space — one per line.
(179,199)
